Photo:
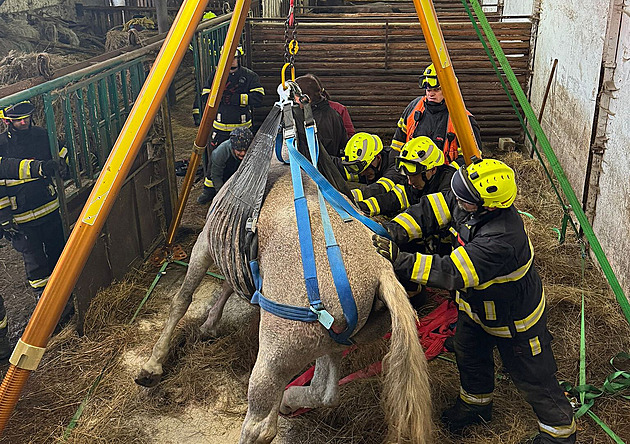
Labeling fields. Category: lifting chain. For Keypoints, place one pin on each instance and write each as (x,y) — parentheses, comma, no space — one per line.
(291,46)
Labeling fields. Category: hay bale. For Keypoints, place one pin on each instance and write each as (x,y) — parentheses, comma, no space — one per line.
(17,66)
(19,28)
(117,38)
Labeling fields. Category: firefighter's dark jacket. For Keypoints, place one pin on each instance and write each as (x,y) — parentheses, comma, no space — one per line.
(432,123)
(27,200)
(385,180)
(402,196)
(491,265)
(242,92)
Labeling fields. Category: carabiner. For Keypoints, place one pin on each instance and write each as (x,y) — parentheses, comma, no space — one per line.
(283,73)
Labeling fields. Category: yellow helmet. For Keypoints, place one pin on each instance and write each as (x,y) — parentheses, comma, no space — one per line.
(419,155)
(208,15)
(488,182)
(360,152)
(429,78)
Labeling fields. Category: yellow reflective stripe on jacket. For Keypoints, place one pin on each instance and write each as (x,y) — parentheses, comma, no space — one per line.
(25,169)
(244,99)
(464,265)
(480,399)
(5,202)
(401,194)
(440,209)
(373,206)
(397,144)
(3,323)
(421,268)
(63,152)
(260,89)
(205,91)
(558,431)
(402,124)
(42,211)
(523,325)
(208,183)
(231,126)
(409,224)
(196,111)
(388,184)
(14,182)
(500,332)
(39,283)
(513,276)
(357,194)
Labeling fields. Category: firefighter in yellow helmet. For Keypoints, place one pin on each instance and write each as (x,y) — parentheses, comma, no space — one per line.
(428,116)
(369,168)
(422,163)
(499,293)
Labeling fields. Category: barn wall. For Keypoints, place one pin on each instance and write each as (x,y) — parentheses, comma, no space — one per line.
(612,217)
(518,7)
(574,35)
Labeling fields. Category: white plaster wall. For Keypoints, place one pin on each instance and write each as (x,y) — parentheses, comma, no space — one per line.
(518,7)
(612,218)
(575,36)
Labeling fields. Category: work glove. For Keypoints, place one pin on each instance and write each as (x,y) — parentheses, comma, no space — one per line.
(365,209)
(49,168)
(385,247)
(197,119)
(9,229)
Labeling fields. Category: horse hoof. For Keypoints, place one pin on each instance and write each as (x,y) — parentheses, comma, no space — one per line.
(147,379)
(208,333)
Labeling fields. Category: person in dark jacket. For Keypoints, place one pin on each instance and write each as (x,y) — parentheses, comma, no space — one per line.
(499,293)
(339,107)
(29,208)
(428,116)
(242,93)
(422,163)
(227,157)
(330,130)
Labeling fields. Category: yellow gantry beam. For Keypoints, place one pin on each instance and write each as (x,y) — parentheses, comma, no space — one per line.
(446,75)
(31,346)
(210,111)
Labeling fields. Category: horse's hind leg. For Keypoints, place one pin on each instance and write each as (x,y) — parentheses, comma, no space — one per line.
(151,371)
(324,388)
(209,327)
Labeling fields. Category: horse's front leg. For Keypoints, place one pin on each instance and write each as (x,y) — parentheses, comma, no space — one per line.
(151,372)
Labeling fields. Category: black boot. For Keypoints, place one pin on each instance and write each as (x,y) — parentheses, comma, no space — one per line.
(462,415)
(543,438)
(206,195)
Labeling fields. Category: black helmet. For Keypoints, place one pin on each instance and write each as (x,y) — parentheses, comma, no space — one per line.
(19,111)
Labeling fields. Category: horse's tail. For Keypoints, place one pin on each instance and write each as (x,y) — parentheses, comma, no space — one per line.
(406,391)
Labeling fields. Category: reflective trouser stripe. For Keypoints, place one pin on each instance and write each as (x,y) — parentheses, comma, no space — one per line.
(3,323)
(477,399)
(561,431)
(208,183)
(39,283)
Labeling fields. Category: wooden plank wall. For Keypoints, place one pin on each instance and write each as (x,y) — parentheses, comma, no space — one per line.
(371,65)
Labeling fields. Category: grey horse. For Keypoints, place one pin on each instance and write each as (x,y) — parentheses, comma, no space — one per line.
(286,347)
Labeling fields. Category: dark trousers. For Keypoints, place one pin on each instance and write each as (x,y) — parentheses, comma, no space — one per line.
(216,139)
(41,243)
(533,375)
